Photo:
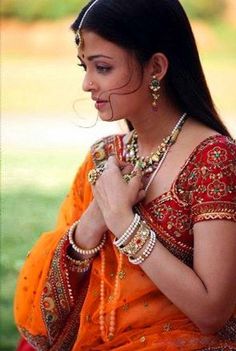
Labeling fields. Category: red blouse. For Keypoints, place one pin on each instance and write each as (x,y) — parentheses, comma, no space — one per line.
(205,189)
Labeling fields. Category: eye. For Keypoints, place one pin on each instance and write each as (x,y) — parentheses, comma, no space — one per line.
(82,65)
(103,69)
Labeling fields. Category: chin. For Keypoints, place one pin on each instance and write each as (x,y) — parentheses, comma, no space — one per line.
(107,117)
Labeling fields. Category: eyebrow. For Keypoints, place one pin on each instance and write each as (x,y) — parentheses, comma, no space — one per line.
(93,57)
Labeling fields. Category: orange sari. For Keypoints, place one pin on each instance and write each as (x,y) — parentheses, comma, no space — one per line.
(54,312)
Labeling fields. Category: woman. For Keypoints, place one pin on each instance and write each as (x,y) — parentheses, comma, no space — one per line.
(143,255)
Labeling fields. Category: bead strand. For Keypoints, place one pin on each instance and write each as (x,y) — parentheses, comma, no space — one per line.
(111,331)
(77,249)
(102,297)
(129,232)
(112,320)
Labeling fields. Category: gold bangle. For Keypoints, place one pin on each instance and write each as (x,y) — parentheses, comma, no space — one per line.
(147,252)
(80,266)
(138,241)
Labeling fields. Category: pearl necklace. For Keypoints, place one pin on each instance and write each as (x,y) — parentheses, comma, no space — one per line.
(115,297)
(148,164)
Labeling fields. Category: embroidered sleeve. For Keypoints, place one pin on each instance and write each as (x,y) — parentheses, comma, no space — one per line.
(214,178)
(104,148)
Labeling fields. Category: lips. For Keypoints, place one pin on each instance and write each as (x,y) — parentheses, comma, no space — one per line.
(100,104)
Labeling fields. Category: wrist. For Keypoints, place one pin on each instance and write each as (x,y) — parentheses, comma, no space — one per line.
(119,222)
(86,235)
(81,250)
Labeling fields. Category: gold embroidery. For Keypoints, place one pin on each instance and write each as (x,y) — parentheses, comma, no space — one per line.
(122,275)
(211,210)
(167,327)
(88,318)
(142,339)
(95,293)
(125,307)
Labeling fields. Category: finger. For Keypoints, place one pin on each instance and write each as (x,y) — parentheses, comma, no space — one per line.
(141,195)
(119,163)
(136,181)
(141,186)
(112,163)
(112,160)
(127,169)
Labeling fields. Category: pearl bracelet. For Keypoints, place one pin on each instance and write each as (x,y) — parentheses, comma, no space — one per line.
(77,248)
(147,252)
(128,233)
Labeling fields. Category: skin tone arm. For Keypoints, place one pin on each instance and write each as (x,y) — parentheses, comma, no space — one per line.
(206,293)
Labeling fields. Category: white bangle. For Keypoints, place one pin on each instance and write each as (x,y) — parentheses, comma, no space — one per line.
(147,252)
(129,232)
(77,248)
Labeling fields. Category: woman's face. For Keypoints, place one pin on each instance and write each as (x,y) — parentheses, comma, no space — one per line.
(114,79)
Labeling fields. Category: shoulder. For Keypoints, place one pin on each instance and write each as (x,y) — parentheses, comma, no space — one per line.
(210,168)
(215,151)
(107,146)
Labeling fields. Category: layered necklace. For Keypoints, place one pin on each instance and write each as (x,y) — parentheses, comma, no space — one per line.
(149,166)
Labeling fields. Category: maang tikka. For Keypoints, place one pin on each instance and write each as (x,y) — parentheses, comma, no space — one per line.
(78,34)
(155,87)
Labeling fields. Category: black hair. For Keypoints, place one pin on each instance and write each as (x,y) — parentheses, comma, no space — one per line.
(145,27)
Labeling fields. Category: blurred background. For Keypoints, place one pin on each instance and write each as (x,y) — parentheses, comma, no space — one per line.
(41,142)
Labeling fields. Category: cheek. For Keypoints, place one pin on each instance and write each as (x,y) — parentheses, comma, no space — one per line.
(128,95)
(129,104)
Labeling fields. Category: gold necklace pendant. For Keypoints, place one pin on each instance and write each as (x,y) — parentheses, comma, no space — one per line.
(149,163)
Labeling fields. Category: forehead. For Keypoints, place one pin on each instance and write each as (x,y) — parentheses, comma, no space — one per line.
(94,44)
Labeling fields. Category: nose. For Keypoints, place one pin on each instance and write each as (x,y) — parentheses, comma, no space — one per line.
(88,84)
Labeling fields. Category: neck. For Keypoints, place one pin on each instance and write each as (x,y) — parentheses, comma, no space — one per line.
(155,126)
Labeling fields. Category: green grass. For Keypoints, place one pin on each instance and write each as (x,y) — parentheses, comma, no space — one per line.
(34,185)
(26,213)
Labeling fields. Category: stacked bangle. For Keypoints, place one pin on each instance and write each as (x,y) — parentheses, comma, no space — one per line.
(128,233)
(79,266)
(77,248)
(138,241)
(146,252)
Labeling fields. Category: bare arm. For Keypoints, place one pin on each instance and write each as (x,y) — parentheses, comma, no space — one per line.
(206,293)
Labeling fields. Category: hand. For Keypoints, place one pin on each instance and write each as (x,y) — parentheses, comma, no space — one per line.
(91,227)
(115,197)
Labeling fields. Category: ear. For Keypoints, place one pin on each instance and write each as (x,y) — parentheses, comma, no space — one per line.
(159,65)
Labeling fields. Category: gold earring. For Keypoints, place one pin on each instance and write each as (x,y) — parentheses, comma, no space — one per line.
(155,86)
